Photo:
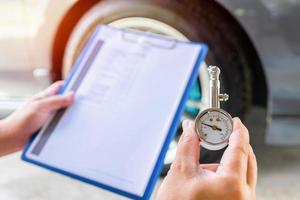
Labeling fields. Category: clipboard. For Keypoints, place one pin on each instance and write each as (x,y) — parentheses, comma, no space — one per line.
(39,142)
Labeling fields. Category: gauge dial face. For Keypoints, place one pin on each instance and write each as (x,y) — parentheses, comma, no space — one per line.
(214,126)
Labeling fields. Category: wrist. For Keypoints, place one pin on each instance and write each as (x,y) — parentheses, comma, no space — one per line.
(9,140)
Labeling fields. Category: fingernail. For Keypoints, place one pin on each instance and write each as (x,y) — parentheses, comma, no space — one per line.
(186,124)
(237,124)
(70,95)
(237,119)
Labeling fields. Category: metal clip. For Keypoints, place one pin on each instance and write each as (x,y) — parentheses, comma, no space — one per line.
(152,39)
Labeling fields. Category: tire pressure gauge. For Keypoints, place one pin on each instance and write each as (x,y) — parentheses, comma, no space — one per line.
(214,125)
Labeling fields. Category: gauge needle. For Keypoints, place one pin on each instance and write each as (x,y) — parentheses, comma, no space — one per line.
(213,127)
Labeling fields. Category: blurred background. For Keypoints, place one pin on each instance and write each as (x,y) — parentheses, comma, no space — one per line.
(255,43)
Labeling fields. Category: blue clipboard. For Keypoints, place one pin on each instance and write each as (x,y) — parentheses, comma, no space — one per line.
(171,133)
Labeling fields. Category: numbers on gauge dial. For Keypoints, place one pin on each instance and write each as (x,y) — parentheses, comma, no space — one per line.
(214,127)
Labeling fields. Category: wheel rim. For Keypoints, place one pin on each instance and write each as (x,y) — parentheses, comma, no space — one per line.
(199,94)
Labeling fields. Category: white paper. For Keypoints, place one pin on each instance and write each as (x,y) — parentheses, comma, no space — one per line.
(123,109)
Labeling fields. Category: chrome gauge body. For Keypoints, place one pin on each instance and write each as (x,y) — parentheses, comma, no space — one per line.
(214,125)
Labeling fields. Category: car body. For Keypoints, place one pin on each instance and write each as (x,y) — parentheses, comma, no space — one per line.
(269,25)
(272,30)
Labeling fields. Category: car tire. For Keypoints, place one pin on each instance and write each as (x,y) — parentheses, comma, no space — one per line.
(201,21)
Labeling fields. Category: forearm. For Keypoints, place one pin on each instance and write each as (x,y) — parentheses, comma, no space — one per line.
(8,142)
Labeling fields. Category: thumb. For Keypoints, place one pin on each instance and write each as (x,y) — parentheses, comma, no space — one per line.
(188,150)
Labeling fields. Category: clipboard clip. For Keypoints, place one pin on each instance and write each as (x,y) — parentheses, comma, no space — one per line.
(149,38)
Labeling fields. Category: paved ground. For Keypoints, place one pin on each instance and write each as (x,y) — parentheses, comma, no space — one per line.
(279,175)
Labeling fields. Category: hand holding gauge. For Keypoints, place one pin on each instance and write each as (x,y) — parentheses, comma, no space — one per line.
(214,125)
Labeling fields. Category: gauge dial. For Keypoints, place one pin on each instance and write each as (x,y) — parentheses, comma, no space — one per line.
(214,127)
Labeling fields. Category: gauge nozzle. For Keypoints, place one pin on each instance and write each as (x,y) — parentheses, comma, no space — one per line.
(214,72)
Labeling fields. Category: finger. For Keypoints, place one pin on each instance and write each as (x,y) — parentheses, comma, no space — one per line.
(50,91)
(235,157)
(56,102)
(188,150)
(252,168)
(211,167)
